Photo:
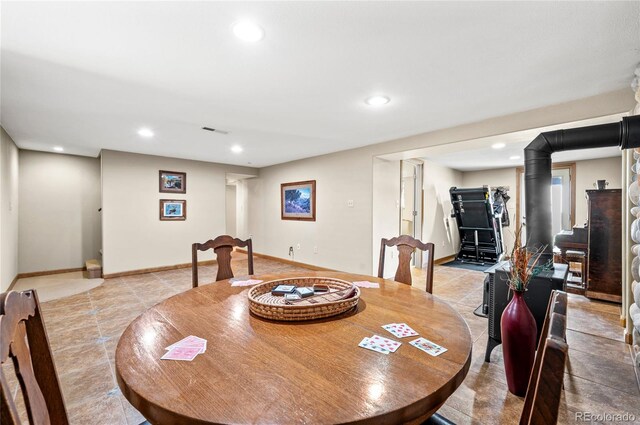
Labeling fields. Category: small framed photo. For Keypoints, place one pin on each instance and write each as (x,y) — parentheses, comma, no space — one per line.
(298,200)
(173,209)
(173,182)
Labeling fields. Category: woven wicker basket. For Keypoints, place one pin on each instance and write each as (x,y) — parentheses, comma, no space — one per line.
(263,304)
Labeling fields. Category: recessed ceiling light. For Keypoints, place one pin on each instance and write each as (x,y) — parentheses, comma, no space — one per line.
(498,145)
(377,100)
(58,148)
(236,148)
(514,157)
(248,31)
(147,133)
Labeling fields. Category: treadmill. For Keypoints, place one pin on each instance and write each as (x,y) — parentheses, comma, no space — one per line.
(479,224)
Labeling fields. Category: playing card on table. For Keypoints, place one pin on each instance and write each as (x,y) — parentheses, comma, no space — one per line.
(366,343)
(366,284)
(385,343)
(427,346)
(400,330)
(181,353)
(190,342)
(247,282)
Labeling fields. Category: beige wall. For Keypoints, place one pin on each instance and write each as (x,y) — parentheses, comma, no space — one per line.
(340,234)
(59,218)
(587,172)
(495,178)
(345,238)
(230,206)
(438,225)
(9,176)
(134,236)
(344,235)
(386,215)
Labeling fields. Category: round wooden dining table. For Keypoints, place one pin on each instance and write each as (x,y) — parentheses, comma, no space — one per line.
(261,371)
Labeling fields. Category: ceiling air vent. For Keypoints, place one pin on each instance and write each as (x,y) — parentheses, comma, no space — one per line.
(215,130)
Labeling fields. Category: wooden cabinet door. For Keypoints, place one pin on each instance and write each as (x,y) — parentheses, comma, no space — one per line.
(604,276)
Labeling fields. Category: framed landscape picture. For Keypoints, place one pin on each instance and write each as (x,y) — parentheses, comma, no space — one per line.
(173,209)
(173,182)
(298,200)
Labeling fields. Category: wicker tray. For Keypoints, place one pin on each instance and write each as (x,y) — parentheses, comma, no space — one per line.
(263,304)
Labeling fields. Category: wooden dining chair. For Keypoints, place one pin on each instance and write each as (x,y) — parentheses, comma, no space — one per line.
(542,401)
(557,304)
(23,339)
(545,384)
(406,246)
(222,246)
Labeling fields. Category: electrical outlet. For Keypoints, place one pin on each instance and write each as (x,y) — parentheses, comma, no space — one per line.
(315,249)
(350,203)
(298,246)
(443,244)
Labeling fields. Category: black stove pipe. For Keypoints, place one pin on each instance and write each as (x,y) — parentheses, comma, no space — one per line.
(537,170)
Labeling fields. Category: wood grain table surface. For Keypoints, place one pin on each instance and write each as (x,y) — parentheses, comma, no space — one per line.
(260,371)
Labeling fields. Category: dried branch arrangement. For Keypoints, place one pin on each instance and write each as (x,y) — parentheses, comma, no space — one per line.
(523,264)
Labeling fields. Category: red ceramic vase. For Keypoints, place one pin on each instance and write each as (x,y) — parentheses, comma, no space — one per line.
(519,333)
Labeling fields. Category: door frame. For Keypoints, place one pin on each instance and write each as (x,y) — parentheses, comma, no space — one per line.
(418,204)
(571,166)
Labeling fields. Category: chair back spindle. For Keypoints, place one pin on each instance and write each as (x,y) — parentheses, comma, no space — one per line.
(222,246)
(406,245)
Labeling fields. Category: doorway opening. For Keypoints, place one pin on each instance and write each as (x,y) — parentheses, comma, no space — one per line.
(236,217)
(411,203)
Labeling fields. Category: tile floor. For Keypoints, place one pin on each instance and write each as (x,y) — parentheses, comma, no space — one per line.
(84,330)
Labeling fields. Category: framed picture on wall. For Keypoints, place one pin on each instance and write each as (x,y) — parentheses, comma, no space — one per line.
(298,200)
(173,209)
(173,182)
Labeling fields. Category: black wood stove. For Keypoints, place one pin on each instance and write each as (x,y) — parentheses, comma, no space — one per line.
(497,296)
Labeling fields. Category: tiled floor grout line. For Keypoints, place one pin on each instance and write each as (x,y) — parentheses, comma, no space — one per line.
(624,390)
(106,352)
(566,372)
(598,336)
(52,311)
(135,294)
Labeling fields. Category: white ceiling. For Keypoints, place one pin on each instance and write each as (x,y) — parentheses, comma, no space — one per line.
(478,154)
(87,75)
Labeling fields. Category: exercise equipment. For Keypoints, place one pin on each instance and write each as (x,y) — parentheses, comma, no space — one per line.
(479,224)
